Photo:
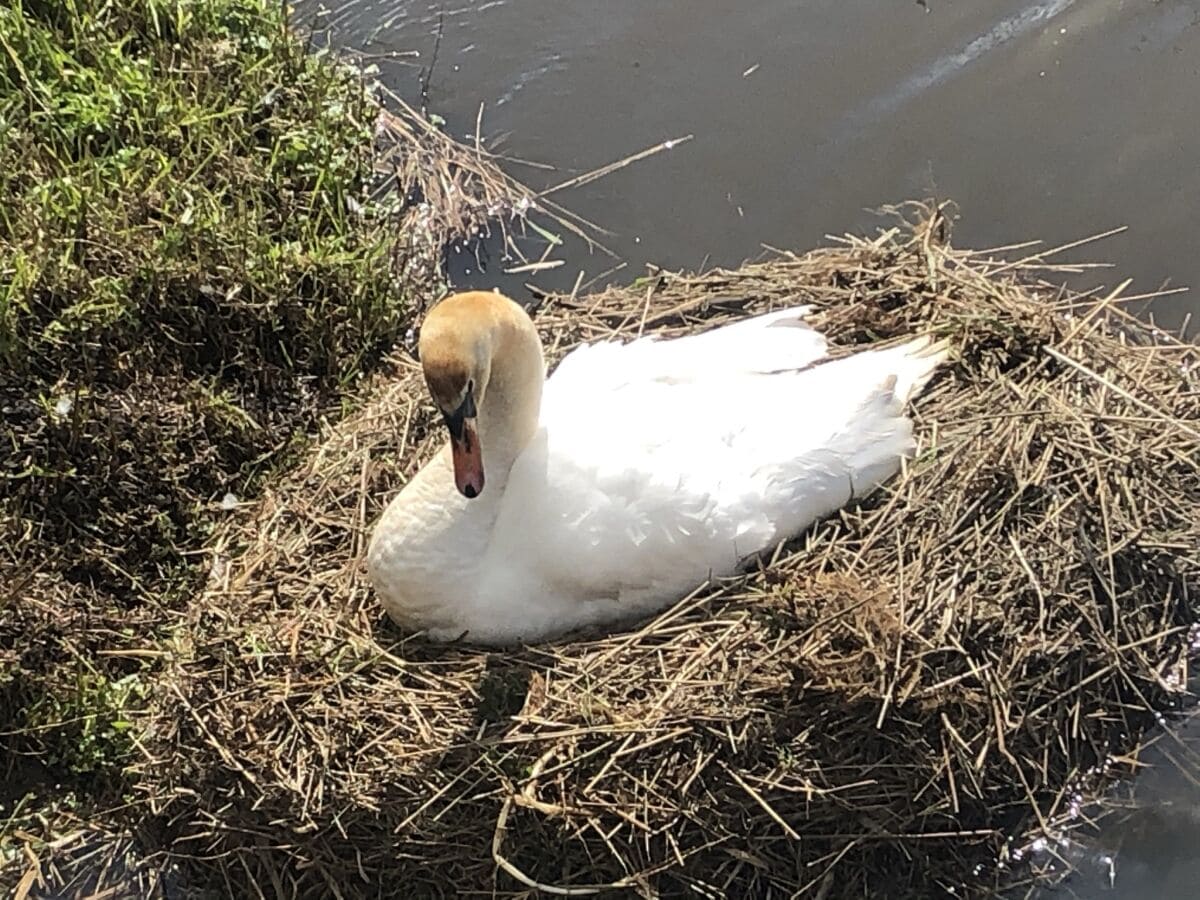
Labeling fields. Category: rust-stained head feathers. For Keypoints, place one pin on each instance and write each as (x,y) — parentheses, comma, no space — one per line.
(455,346)
(458,341)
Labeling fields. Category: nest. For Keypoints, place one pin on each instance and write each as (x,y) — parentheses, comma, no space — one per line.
(906,689)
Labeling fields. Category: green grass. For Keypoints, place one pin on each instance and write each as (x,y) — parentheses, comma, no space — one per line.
(177,177)
(187,280)
(95,710)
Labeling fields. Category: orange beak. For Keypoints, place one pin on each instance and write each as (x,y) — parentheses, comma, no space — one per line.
(468,459)
(464,448)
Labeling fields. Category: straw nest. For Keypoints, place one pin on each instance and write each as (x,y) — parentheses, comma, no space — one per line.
(879,712)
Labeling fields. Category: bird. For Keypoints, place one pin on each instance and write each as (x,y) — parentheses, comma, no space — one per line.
(637,472)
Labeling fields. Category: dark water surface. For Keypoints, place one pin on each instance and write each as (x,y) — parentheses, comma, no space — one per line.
(1052,120)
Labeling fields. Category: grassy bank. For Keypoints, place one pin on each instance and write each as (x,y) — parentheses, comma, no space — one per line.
(190,275)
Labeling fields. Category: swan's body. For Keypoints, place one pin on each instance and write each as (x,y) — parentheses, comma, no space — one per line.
(645,469)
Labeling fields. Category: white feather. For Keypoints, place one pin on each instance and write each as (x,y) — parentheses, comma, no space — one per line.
(661,463)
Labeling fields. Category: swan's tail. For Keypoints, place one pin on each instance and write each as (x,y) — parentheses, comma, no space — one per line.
(879,433)
(911,365)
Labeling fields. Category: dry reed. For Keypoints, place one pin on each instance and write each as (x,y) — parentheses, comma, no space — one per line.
(453,194)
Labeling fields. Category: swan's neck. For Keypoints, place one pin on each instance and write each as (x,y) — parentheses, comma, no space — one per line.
(509,411)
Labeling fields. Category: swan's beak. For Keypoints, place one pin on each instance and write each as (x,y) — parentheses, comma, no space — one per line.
(465,449)
(468,461)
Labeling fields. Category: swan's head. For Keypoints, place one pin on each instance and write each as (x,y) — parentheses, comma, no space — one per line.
(483,364)
(455,350)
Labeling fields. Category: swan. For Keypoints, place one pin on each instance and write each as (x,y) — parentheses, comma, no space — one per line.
(637,471)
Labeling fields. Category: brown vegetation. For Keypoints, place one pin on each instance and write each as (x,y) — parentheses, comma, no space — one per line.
(878,712)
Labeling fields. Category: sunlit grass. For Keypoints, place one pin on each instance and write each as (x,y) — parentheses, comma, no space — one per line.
(187,282)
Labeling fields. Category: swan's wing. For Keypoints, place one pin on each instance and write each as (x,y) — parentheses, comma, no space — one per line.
(770,342)
(638,458)
(646,479)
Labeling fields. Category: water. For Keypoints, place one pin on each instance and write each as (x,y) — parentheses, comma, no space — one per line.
(1149,846)
(1054,119)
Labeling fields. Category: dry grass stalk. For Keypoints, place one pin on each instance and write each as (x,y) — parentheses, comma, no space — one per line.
(456,193)
(873,714)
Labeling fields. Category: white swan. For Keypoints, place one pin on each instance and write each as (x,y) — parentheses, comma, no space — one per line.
(633,474)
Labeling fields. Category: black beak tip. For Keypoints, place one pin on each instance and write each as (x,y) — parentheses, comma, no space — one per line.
(470,492)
